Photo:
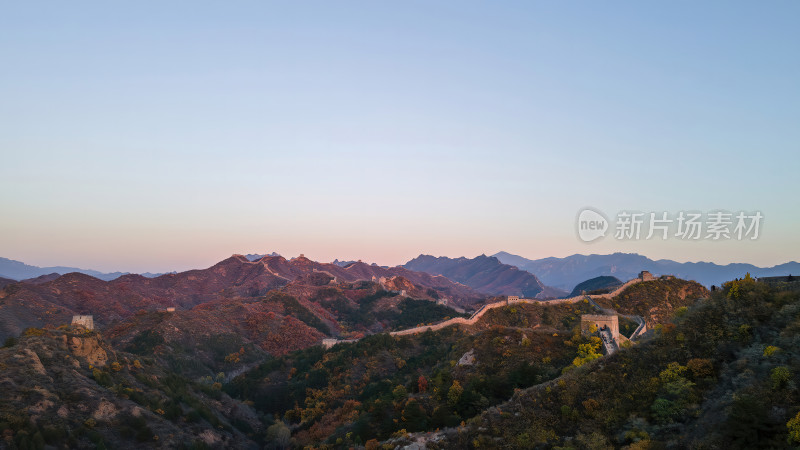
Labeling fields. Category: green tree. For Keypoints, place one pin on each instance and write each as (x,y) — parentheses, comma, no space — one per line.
(414,416)
(780,376)
(587,352)
(665,410)
(700,368)
(399,392)
(794,429)
(673,372)
(593,441)
(278,435)
(454,393)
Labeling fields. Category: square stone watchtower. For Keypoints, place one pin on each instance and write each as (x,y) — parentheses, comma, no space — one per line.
(600,321)
(84,321)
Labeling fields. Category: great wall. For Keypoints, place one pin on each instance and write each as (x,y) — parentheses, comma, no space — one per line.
(511,300)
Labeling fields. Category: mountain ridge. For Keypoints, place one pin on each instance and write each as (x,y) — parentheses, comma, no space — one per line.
(485,274)
(567,272)
(53,302)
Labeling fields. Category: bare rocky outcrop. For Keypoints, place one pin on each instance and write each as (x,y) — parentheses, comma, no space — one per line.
(105,411)
(36,363)
(468,358)
(87,347)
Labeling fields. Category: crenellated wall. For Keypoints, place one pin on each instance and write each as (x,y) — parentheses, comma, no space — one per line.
(510,301)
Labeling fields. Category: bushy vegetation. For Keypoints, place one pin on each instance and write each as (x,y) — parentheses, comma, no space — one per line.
(382,386)
(627,326)
(293,308)
(416,312)
(351,315)
(719,373)
(202,356)
(53,398)
(559,316)
(723,375)
(363,314)
(656,300)
(145,342)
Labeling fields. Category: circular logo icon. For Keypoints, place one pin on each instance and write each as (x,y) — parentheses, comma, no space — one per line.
(592,225)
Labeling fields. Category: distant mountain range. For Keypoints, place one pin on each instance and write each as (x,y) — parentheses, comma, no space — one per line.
(565,273)
(342,263)
(484,274)
(257,256)
(500,274)
(17,270)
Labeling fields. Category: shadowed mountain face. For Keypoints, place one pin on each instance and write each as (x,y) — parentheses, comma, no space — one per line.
(5,282)
(483,273)
(42,278)
(601,283)
(566,272)
(53,302)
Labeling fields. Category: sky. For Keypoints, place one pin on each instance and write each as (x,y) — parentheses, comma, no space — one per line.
(156,136)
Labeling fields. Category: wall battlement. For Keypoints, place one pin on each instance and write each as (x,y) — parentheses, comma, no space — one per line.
(510,300)
(599,321)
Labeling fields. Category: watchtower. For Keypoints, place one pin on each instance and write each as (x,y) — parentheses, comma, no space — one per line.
(600,321)
(84,321)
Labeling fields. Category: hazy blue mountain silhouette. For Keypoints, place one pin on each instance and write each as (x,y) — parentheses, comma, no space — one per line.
(17,270)
(566,273)
(483,273)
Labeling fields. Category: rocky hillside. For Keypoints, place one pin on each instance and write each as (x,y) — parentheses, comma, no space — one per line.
(483,273)
(51,303)
(383,387)
(721,375)
(228,335)
(5,282)
(70,389)
(357,394)
(656,300)
(436,286)
(218,374)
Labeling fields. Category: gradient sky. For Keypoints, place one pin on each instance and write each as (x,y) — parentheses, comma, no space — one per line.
(153,136)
